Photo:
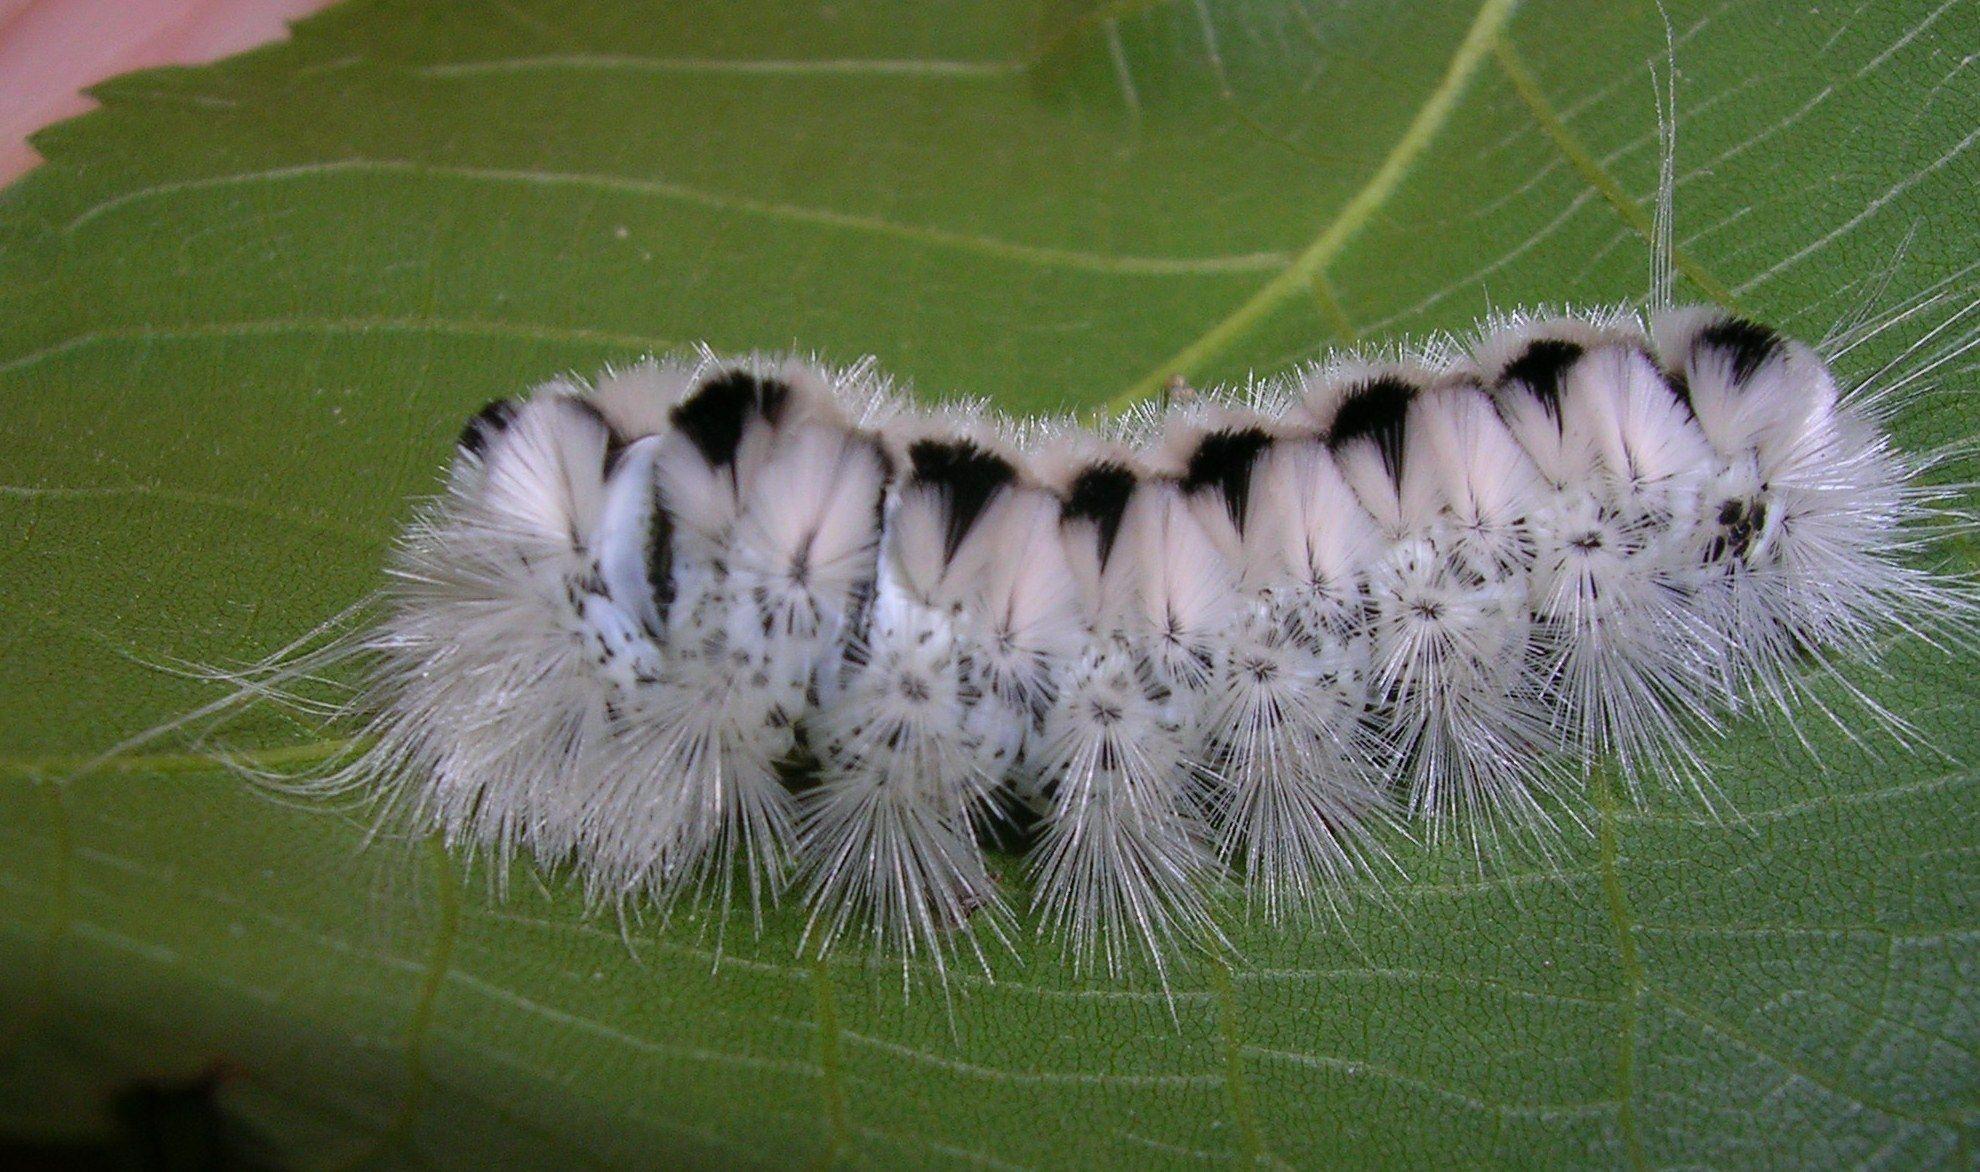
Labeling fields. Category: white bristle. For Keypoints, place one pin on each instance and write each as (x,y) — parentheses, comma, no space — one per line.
(1616,574)
(1122,858)
(910,762)
(1249,635)
(1124,851)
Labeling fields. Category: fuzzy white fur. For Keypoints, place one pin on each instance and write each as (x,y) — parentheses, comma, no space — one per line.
(1244,635)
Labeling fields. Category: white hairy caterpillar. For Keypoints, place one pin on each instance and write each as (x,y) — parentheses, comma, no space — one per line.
(761,619)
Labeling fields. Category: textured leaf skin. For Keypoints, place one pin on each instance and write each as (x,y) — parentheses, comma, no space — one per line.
(244,308)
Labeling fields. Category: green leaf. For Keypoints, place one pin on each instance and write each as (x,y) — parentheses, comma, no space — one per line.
(244,308)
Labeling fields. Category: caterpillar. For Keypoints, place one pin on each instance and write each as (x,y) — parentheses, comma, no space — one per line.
(737,629)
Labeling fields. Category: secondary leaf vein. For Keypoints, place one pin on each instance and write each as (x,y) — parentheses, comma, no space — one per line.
(1296,278)
(1037,254)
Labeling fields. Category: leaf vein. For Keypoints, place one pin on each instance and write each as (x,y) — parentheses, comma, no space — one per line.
(631,1041)
(1510,988)
(419,1080)
(1296,278)
(1357,1067)
(1591,170)
(1037,254)
(747,66)
(1870,209)
(1233,1055)
(833,1082)
(1809,805)
(1789,1066)
(1635,986)
(205,331)
(187,497)
(1028,1077)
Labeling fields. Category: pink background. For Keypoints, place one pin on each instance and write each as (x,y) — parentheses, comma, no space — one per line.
(51,49)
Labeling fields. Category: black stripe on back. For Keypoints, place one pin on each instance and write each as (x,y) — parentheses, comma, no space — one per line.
(1540,370)
(487,423)
(1100,495)
(968,477)
(1374,412)
(1748,344)
(713,416)
(1680,387)
(1223,461)
(583,408)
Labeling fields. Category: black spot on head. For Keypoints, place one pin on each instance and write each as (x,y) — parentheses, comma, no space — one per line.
(1540,370)
(714,414)
(967,476)
(1375,413)
(1100,494)
(1749,345)
(486,424)
(1223,461)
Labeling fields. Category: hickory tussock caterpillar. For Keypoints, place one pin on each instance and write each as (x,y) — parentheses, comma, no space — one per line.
(1248,635)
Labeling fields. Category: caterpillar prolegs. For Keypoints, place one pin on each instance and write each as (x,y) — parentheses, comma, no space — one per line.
(736,628)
